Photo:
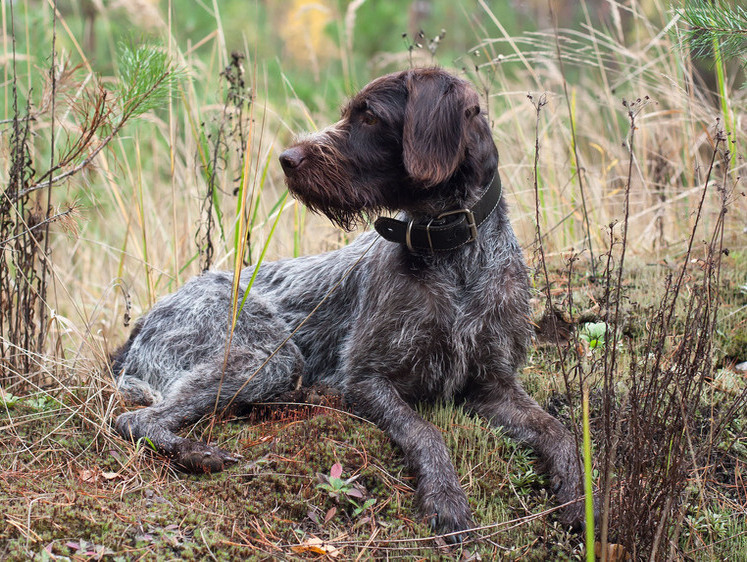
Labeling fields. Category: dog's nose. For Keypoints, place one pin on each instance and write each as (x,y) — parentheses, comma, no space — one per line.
(291,159)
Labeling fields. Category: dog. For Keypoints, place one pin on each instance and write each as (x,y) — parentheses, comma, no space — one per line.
(432,305)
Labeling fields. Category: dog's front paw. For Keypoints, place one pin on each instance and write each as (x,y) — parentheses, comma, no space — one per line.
(199,457)
(574,514)
(448,513)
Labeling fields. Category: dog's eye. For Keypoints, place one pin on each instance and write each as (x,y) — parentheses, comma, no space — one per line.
(369,118)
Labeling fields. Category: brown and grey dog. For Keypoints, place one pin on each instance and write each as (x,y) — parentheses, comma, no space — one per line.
(432,307)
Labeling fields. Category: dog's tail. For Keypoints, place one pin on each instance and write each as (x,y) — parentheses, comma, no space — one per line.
(134,389)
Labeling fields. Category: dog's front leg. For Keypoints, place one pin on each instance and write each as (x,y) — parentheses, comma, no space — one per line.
(507,405)
(439,494)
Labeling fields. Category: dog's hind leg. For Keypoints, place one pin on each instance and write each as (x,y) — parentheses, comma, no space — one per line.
(247,377)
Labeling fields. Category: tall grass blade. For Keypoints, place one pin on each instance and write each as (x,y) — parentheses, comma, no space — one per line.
(588,478)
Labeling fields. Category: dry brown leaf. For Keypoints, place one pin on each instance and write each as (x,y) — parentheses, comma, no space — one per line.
(87,475)
(330,514)
(317,546)
(615,552)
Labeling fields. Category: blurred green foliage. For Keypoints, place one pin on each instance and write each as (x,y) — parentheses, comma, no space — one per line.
(382,33)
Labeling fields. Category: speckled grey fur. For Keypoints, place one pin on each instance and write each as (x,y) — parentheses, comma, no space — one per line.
(403,327)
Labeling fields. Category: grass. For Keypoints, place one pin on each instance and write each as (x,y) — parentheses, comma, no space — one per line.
(192,182)
(71,486)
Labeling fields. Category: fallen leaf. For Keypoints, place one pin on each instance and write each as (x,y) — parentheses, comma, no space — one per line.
(355,493)
(87,475)
(615,552)
(110,475)
(330,514)
(317,546)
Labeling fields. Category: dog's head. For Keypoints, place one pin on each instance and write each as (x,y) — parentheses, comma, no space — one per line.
(413,140)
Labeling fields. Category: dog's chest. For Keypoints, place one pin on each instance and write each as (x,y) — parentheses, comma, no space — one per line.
(444,333)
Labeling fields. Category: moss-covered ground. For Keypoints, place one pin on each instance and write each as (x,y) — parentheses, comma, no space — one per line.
(70,492)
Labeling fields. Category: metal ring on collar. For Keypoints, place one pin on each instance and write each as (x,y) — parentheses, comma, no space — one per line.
(408,236)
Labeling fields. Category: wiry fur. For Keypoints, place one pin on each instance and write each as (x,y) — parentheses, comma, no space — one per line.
(403,327)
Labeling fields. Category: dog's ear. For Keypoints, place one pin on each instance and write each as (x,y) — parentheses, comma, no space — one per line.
(438,112)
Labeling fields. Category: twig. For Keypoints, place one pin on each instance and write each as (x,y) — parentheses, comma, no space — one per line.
(541,253)
(45,222)
(115,130)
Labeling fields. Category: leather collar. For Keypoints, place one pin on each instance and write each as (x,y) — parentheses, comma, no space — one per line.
(447,231)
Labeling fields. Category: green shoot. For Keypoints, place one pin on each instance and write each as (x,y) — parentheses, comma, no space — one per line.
(593,333)
(147,78)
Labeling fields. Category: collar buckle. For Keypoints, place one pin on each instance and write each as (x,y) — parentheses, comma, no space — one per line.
(471,223)
(408,236)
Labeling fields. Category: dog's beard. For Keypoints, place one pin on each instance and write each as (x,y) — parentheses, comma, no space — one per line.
(349,220)
(346,219)
(347,215)
(327,188)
